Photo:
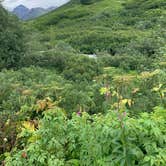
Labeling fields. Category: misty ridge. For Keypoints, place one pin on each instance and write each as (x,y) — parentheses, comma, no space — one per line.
(25,13)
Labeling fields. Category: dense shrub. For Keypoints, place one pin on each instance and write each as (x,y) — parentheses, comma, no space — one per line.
(87,2)
(118,27)
(82,69)
(111,139)
(22,89)
(8,132)
(128,62)
(11,40)
(136,92)
(63,58)
(101,120)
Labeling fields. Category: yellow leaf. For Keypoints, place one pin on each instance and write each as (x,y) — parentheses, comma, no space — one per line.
(162,95)
(155,89)
(124,101)
(29,126)
(129,102)
(103,90)
(41,105)
(44,104)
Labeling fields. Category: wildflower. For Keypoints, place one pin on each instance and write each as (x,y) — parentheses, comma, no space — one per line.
(79,113)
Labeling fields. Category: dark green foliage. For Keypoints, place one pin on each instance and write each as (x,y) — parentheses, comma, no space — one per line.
(87,2)
(8,132)
(11,41)
(128,62)
(82,69)
(73,67)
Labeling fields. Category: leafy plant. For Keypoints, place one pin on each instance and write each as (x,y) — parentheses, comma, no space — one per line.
(96,140)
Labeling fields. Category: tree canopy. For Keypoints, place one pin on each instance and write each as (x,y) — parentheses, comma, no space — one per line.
(11,40)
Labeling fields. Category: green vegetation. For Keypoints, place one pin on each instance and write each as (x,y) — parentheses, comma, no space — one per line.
(11,41)
(95,140)
(108,25)
(87,2)
(84,85)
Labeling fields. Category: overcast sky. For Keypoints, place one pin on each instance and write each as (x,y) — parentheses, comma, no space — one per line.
(10,4)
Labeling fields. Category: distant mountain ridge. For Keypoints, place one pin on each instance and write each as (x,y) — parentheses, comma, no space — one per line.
(24,13)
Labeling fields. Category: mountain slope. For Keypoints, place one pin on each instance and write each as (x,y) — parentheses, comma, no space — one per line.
(20,11)
(24,13)
(108,25)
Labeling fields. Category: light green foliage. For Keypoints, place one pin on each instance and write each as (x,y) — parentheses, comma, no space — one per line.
(96,140)
(23,88)
(26,86)
(144,90)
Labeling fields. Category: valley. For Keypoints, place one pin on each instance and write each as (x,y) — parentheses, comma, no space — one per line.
(84,85)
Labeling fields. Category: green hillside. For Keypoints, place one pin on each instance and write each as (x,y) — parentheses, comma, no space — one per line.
(108,25)
(84,85)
